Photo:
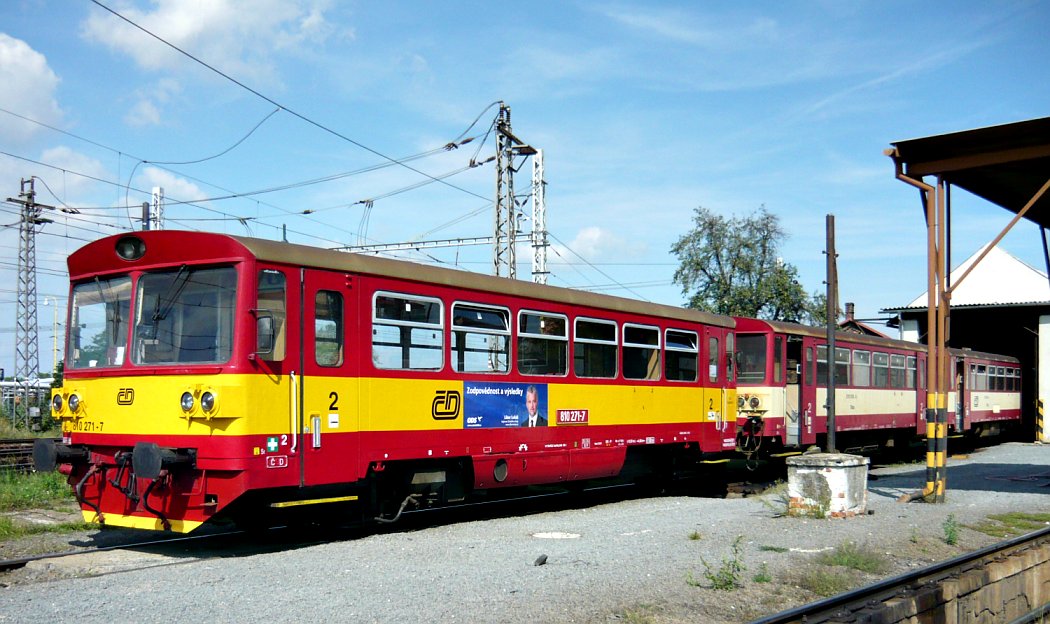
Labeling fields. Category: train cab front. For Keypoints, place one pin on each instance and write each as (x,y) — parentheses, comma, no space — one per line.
(125,483)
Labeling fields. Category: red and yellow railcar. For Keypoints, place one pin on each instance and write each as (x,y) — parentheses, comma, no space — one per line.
(782,386)
(212,376)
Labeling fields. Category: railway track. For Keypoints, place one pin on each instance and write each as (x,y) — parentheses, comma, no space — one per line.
(16,454)
(890,600)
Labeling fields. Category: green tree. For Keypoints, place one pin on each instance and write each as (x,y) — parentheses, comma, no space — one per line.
(730,265)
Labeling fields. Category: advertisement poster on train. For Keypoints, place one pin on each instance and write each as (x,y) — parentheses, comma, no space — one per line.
(504,405)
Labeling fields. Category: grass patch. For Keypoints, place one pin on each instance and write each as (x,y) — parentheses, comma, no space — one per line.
(9,529)
(776,549)
(824,581)
(696,535)
(639,615)
(849,555)
(1012,524)
(35,490)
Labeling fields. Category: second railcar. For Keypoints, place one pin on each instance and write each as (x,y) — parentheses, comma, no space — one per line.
(880,396)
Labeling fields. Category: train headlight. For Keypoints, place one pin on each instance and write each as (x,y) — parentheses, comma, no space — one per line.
(74,402)
(207,401)
(130,248)
(56,403)
(754,402)
(186,402)
(740,401)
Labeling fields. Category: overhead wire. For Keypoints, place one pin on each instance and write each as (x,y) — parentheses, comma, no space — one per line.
(262,96)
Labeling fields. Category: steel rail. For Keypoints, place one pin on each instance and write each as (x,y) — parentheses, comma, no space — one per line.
(840,605)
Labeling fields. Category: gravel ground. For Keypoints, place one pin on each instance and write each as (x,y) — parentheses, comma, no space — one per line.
(627,561)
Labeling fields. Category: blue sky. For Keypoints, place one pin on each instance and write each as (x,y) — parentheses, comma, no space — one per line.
(643,111)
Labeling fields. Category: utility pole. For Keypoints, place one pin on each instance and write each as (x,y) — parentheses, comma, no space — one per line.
(158,208)
(832,313)
(504,260)
(539,221)
(27,349)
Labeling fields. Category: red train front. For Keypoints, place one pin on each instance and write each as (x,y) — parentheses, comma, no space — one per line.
(213,376)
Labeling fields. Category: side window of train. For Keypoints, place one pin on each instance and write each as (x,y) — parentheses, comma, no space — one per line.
(909,379)
(862,369)
(809,366)
(682,355)
(897,371)
(881,370)
(480,338)
(841,366)
(641,352)
(982,378)
(328,328)
(271,315)
(730,348)
(712,358)
(778,360)
(543,343)
(407,332)
(822,365)
(594,348)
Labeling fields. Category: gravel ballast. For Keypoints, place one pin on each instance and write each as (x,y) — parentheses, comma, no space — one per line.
(639,560)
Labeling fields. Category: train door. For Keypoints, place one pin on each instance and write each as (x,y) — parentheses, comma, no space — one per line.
(328,438)
(808,393)
(717,384)
(793,384)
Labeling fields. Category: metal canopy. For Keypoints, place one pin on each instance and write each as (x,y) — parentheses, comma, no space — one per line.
(1008,165)
(1005,165)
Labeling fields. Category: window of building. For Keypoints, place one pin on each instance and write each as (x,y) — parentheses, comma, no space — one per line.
(543,343)
(681,355)
(594,348)
(407,332)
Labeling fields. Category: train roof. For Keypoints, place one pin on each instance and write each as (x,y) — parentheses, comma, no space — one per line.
(170,246)
(749,324)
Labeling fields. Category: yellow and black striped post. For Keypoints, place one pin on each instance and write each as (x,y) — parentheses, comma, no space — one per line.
(1039,421)
(936,449)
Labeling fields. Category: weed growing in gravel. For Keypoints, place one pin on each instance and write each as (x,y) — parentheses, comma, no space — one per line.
(951,530)
(763,575)
(849,555)
(33,490)
(639,615)
(776,498)
(776,549)
(1012,524)
(696,535)
(727,576)
(823,581)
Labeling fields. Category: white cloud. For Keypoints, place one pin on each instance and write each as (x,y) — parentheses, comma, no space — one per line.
(28,89)
(238,37)
(175,188)
(595,243)
(147,110)
(68,186)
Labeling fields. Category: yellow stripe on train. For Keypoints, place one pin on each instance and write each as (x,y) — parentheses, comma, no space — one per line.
(260,404)
(152,523)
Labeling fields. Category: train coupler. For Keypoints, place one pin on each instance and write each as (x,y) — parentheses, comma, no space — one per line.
(48,454)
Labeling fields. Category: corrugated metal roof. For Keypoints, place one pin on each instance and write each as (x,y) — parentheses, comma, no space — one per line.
(999,280)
